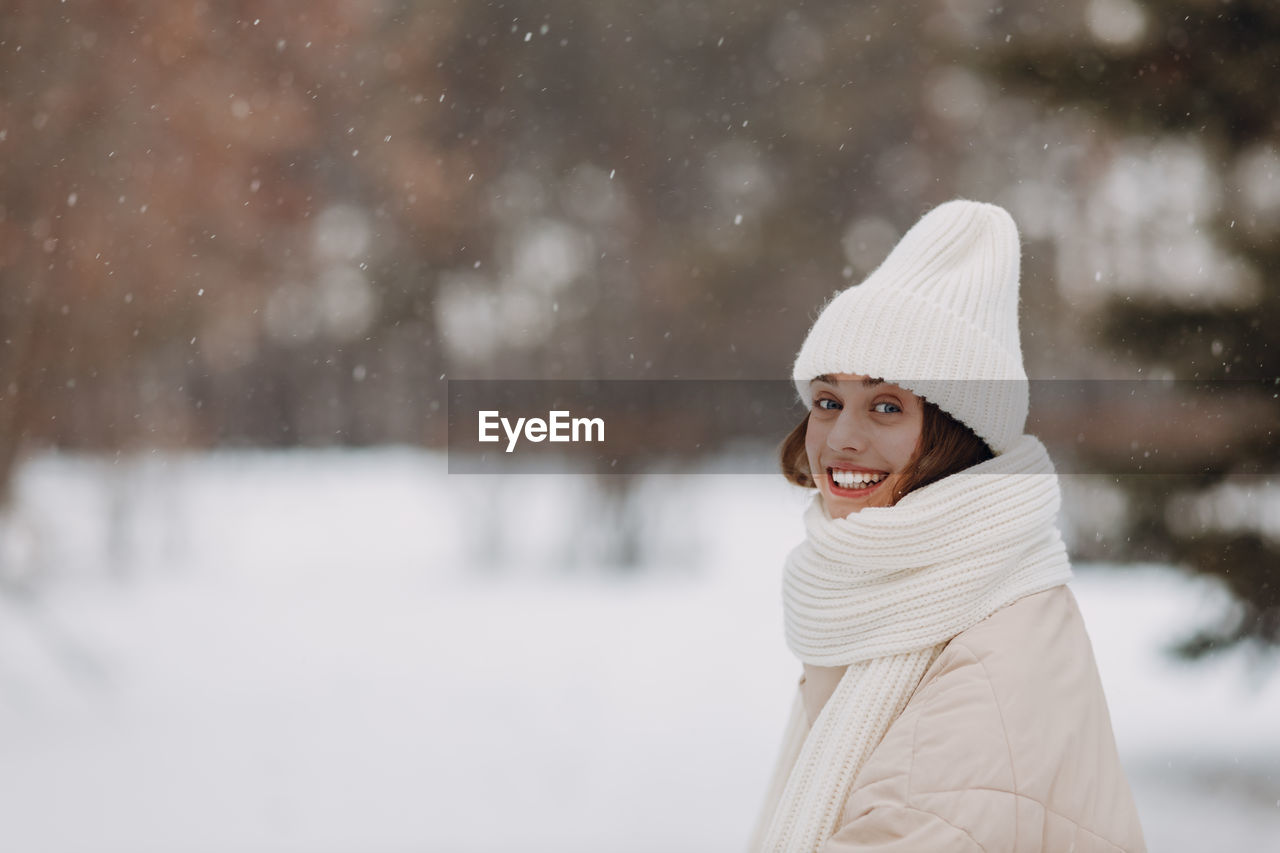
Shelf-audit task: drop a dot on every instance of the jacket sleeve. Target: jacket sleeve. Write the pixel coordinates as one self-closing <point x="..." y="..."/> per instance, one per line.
<point x="900" y="829"/>
<point x="939" y="780"/>
<point x="1006" y="745"/>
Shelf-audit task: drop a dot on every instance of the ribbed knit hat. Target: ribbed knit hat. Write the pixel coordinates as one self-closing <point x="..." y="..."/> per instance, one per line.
<point x="940" y="318"/>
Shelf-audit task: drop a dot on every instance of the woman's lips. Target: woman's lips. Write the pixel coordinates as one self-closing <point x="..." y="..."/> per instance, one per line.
<point x="840" y="491"/>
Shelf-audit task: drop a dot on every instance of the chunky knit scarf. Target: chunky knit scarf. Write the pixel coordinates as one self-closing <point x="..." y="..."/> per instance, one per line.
<point x="882" y="592"/>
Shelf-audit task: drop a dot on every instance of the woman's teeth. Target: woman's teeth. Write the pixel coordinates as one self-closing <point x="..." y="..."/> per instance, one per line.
<point x="855" y="479"/>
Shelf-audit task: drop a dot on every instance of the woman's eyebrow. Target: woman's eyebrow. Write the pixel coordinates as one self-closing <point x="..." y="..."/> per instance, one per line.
<point x="867" y="381"/>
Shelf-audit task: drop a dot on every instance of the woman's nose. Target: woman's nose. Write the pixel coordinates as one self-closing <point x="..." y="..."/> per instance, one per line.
<point x="847" y="433"/>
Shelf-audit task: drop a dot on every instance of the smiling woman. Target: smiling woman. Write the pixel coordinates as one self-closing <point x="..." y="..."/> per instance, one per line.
<point x="920" y="443"/>
<point x="863" y="435"/>
<point x="950" y="699"/>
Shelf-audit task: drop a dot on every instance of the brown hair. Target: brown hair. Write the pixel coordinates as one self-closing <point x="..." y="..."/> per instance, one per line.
<point x="946" y="446"/>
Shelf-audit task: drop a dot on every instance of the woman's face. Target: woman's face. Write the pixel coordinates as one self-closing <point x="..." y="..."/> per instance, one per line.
<point x="862" y="432"/>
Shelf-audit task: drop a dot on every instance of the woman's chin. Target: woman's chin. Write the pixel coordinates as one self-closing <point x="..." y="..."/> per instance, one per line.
<point x="838" y="507"/>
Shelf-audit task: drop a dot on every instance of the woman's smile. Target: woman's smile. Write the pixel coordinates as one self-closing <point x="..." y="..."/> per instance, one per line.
<point x="854" y="482"/>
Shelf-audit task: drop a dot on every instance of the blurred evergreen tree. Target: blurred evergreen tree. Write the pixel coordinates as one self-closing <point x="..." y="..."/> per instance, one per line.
<point x="1208" y="70"/>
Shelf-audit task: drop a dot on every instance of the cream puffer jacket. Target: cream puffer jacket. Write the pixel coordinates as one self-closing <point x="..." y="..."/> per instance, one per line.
<point x="1005" y="747"/>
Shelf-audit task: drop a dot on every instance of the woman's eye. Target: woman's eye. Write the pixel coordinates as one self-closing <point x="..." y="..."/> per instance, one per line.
<point x="886" y="408"/>
<point x="825" y="403"/>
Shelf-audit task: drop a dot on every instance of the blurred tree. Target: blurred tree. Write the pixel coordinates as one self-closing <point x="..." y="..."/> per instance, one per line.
<point x="1204" y="71"/>
<point x="222" y="223"/>
<point x="215" y="226"/>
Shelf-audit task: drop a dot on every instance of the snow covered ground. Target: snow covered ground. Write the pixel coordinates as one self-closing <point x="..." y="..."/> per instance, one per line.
<point x="334" y="651"/>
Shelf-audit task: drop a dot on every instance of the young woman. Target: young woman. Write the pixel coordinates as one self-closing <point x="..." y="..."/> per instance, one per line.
<point x="950" y="700"/>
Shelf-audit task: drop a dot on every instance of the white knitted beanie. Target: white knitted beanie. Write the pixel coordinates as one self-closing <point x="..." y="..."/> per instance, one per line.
<point x="940" y="318"/>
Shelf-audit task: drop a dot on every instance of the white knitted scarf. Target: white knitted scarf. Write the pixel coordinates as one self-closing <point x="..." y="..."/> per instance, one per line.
<point x="882" y="592"/>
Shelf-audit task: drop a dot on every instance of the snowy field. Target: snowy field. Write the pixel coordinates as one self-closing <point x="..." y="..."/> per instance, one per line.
<point x="354" y="652"/>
